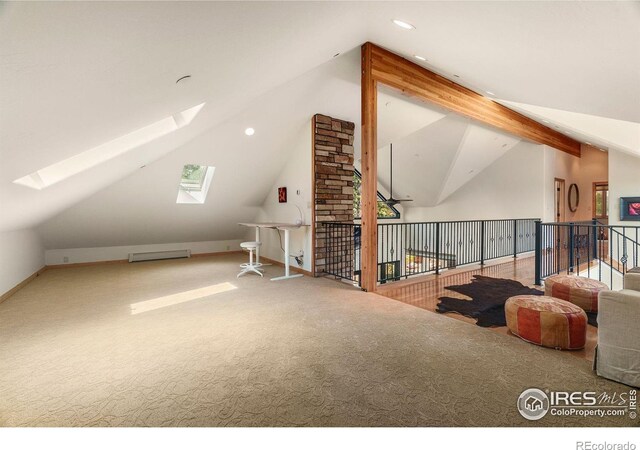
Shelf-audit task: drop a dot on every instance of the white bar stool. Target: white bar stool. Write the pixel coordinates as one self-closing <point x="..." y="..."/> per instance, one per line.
<point x="250" y="266"/>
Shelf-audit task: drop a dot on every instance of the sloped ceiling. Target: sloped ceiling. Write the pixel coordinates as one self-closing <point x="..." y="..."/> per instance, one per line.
<point x="422" y="160"/>
<point x="142" y="209"/>
<point x="77" y="74"/>
<point x="479" y="148"/>
<point x="602" y="132"/>
<point x="437" y="155"/>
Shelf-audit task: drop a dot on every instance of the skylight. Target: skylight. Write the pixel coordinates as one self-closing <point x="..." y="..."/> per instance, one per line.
<point x="64" y="169"/>
<point x="194" y="183"/>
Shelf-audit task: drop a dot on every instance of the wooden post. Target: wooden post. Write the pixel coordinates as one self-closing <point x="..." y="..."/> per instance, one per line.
<point x="369" y="187"/>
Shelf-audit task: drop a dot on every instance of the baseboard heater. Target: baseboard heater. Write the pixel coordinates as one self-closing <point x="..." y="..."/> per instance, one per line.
<point x="152" y="256"/>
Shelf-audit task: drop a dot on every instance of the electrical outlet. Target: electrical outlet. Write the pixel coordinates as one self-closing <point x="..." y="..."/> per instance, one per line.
<point x="65" y="259"/>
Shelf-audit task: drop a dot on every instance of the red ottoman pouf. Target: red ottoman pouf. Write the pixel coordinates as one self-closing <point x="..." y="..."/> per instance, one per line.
<point x="577" y="290"/>
<point x="547" y="321"/>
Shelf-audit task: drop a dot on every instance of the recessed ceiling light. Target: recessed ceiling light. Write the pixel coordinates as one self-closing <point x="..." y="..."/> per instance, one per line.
<point x="545" y="120"/>
<point x="403" y="24"/>
<point x="455" y="75"/>
<point x="588" y="143"/>
<point x="490" y="93"/>
<point x="421" y="58"/>
<point x="336" y="55"/>
<point x="249" y="131"/>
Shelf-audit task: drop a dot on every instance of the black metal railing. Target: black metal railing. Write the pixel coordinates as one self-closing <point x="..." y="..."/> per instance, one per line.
<point x="342" y="250"/>
<point x="408" y="249"/>
<point x="592" y="249"/>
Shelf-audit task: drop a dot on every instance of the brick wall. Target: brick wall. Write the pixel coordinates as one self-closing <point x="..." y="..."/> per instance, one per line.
<point x="333" y="180"/>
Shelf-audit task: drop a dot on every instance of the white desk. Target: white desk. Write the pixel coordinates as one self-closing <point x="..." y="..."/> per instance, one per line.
<point x="287" y="227"/>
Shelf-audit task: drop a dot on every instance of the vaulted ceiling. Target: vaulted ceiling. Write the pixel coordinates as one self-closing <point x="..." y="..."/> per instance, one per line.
<point x="75" y="75"/>
<point x="435" y="152"/>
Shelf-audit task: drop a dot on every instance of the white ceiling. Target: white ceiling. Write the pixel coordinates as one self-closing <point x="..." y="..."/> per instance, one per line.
<point x="601" y="132"/>
<point x="435" y="153"/>
<point x="142" y="209"/>
<point x="573" y="56"/>
<point x="75" y="75"/>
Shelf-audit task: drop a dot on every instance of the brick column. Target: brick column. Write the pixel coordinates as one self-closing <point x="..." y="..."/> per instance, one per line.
<point x="333" y="179"/>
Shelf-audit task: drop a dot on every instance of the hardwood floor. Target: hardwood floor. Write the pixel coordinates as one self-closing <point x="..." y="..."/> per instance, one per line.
<point x="424" y="292"/>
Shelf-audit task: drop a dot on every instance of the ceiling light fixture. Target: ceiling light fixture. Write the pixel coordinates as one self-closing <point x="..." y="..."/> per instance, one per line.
<point x="403" y="24"/>
<point x="545" y="120"/>
<point x="588" y="143"/>
<point x="490" y="93"/>
<point x="457" y="76"/>
<point x="249" y="131"/>
<point x="421" y="58"/>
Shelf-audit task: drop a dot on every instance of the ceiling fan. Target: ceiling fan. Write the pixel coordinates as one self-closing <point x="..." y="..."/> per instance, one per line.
<point x="392" y="201"/>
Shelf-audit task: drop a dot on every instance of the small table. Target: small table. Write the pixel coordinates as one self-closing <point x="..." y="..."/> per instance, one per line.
<point x="287" y="227"/>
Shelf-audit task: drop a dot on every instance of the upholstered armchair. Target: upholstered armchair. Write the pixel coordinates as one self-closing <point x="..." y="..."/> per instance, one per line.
<point x="632" y="279"/>
<point x="618" y="351"/>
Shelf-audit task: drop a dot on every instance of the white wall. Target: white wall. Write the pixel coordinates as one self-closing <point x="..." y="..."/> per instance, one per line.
<point x="591" y="167"/>
<point x="296" y="177"/>
<point x="512" y="187"/>
<point x="624" y="181"/>
<point x="21" y="255"/>
<point x="95" y="254"/>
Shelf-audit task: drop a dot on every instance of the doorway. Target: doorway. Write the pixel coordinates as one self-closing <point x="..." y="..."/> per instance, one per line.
<point x="559" y="200"/>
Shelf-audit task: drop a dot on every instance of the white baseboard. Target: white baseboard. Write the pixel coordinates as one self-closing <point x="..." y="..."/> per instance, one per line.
<point x="56" y="257"/>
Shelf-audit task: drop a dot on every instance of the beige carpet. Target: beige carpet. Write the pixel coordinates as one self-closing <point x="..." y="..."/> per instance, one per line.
<point x="304" y="352"/>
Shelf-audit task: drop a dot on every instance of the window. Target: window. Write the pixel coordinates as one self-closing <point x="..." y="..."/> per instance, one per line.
<point x="194" y="183"/>
<point x="384" y="211"/>
<point x="601" y="200"/>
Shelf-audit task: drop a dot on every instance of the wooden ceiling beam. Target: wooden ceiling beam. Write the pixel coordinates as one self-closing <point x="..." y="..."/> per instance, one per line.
<point x="416" y="81"/>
